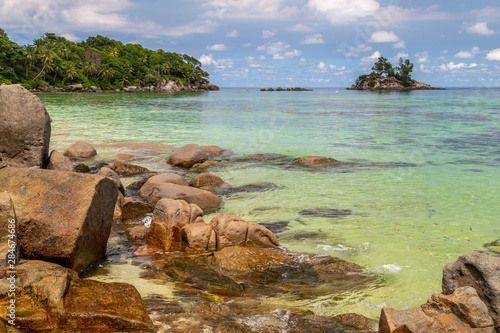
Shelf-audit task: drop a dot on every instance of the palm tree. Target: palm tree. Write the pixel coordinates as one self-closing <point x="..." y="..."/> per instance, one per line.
<point x="89" y="69"/>
<point x="46" y="56"/>
<point x="106" y="73"/>
<point x="114" y="52"/>
<point x="30" y="55"/>
<point x="70" y="71"/>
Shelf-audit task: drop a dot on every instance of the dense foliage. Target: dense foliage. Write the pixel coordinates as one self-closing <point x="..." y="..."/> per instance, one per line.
<point x="383" y="68"/>
<point x="98" y="61"/>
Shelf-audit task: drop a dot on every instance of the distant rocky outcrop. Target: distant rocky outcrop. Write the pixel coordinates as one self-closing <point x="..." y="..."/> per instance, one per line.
<point x="286" y="89"/>
<point x="390" y="83"/>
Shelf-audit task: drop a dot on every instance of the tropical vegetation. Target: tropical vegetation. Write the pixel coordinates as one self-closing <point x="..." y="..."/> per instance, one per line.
<point x="98" y="61"/>
<point x="383" y="68"/>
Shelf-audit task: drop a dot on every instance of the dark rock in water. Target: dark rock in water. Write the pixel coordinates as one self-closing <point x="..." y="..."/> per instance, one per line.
<point x="24" y="127"/>
<point x="493" y="246"/>
<point x="132" y="209"/>
<point x="315" y="161"/>
<point x="480" y="271"/>
<point x="136" y="234"/>
<point x="265" y="157"/>
<point x="254" y="187"/>
<point x="127" y="169"/>
<point x="276" y="227"/>
<point x="82" y="168"/>
<point x="325" y="212"/>
<point x="357" y="321"/>
<point x="306" y="235"/>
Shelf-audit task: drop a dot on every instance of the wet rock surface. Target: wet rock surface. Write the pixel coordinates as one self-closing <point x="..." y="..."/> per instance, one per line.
<point x="80" y="150"/>
<point x="187" y="156"/>
<point x="325" y="212"/>
<point x="127" y="169"/>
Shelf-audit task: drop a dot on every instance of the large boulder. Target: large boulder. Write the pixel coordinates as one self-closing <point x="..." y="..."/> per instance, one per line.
<point x="80" y="150"/>
<point x="480" y="271"/>
<point x="58" y="161"/>
<point x="63" y="217"/>
<point x="169" y="217"/>
<point x="107" y="172"/>
<point x="9" y="245"/>
<point x="315" y="161"/>
<point x="50" y="297"/>
<point x="162" y="178"/>
<point x="462" y="311"/>
<point x="202" y="198"/>
<point x="232" y="230"/>
<point x="187" y="156"/>
<point x="24" y="128"/>
<point x="206" y="181"/>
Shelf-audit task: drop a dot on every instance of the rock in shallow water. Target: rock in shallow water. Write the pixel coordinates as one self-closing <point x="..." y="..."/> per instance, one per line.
<point x="315" y="161"/>
<point x="58" y="161"/>
<point x="202" y="198"/>
<point x="325" y="212"/>
<point x="187" y="156"/>
<point x="153" y="181"/>
<point x="80" y="150"/>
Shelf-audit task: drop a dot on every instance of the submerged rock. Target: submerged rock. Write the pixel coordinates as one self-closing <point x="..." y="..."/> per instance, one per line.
<point x="63" y="217"/>
<point x="58" y="161"/>
<point x="127" y="169"/>
<point x="206" y="164"/>
<point x="326" y="212"/>
<point x="254" y="187"/>
<point x="315" y="161"/>
<point x="136" y="234"/>
<point x="493" y="246"/>
<point x="187" y="156"/>
<point x="206" y="181"/>
<point x="80" y="150"/>
<point x="462" y="311"/>
<point x="479" y="271"/>
<point x="25" y="128"/>
<point x="265" y="157"/>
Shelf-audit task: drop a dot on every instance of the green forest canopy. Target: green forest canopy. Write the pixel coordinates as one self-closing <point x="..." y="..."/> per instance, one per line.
<point x="383" y="68"/>
<point x="99" y="61"/>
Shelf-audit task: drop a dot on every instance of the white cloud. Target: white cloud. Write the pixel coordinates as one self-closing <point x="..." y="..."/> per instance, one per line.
<point x="480" y="28"/>
<point x="71" y="37"/>
<point x="232" y="34"/>
<point x="384" y="37"/>
<point x="300" y="28"/>
<point x="250" y="9"/>
<point x="273" y="48"/>
<point x="287" y="55"/>
<point x="321" y="66"/>
<point x="493" y="55"/>
<point x="344" y="11"/>
<point x="217" y="47"/>
<point x="353" y="51"/>
<point x="216" y="65"/>
<point x="468" y="54"/>
<point x="422" y="57"/>
<point x="207" y="60"/>
<point x="371" y="58"/>
<point x="400" y="45"/>
<point x="452" y="66"/>
<point x="268" y="33"/>
<point x="313" y="39"/>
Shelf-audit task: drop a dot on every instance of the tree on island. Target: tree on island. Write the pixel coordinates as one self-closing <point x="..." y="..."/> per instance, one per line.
<point x="382" y="68"/>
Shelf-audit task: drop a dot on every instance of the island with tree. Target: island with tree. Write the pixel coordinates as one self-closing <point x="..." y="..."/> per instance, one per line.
<point x="53" y="63"/>
<point x="386" y="77"/>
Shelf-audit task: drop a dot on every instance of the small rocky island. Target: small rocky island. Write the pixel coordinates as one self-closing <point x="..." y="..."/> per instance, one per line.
<point x="286" y="89"/>
<point x="386" y="77"/>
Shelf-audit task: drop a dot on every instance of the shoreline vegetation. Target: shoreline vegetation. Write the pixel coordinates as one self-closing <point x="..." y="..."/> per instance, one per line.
<point x="385" y="76"/>
<point x="54" y="64"/>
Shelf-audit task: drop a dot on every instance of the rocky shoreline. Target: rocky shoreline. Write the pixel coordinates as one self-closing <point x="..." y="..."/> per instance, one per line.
<point x="391" y="84"/>
<point x="66" y="221"/>
<point x="165" y="86"/>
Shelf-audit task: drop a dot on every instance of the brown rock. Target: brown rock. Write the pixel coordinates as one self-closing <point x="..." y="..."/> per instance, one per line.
<point x="264" y="157"/>
<point x="187" y="156"/>
<point x="122" y="157"/>
<point x="134" y="208"/>
<point x="206" y="181"/>
<point x="148" y="187"/>
<point x="357" y="321"/>
<point x="463" y="311"/>
<point x="232" y="230"/>
<point x="197" y="236"/>
<point x="206" y="164"/>
<point x="9" y="245"/>
<point x="127" y="169"/>
<point x="213" y="150"/>
<point x="117" y="214"/>
<point x="315" y="161"/>
<point x="63" y="216"/>
<point x="107" y="172"/>
<point x="80" y="150"/>
<point x="58" y="161"/>
<point x="24" y="127"/>
<point x="82" y="168"/>
<point x="136" y="234"/>
<point x="202" y="198"/>
<point x="169" y="217"/>
<point x="480" y="271"/>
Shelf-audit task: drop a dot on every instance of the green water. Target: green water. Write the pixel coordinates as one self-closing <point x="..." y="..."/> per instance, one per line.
<point x="423" y="187"/>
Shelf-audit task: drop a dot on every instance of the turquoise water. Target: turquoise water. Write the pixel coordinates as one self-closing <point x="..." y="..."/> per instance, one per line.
<point x="423" y="186"/>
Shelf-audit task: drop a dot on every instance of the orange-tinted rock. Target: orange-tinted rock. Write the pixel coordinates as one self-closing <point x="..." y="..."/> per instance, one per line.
<point x="58" y="161"/>
<point x="122" y="157"/>
<point x="206" y="181"/>
<point x="202" y="198"/>
<point x="80" y="150"/>
<point x="63" y="217"/>
<point x="315" y="161"/>
<point x="135" y="208"/>
<point x="153" y="181"/>
<point x="213" y="150"/>
<point x="206" y="164"/>
<point x="24" y="128"/>
<point x="137" y="234"/>
<point x="198" y="237"/>
<point x="187" y="156"/>
<point x="127" y="169"/>
<point x="107" y="172"/>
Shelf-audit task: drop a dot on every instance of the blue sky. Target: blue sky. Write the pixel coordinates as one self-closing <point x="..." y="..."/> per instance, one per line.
<point x="269" y="43"/>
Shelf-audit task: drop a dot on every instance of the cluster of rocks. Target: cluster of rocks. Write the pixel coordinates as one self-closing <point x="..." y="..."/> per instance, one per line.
<point x="162" y="86"/>
<point x="391" y="83"/>
<point x="285" y="89"/>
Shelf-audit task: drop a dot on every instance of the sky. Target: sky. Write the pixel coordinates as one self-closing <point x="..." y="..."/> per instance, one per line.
<point x="271" y="43"/>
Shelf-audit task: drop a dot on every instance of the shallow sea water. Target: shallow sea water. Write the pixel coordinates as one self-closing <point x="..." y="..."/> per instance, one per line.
<point x="423" y="182"/>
